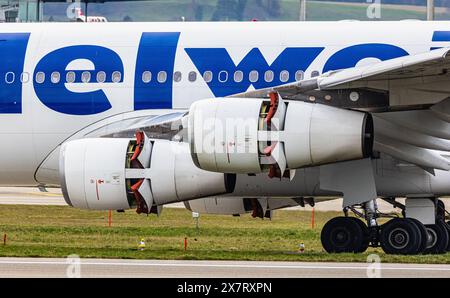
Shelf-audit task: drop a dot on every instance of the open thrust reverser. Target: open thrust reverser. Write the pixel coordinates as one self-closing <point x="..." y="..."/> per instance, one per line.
<point x="118" y="174"/>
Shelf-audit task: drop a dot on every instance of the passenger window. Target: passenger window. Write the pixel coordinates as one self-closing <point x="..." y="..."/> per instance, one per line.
<point x="116" y="77"/>
<point x="223" y="76"/>
<point x="86" y="77"/>
<point x="146" y="77"/>
<point x="40" y="77"/>
<point x="70" y="77"/>
<point x="10" y="77"/>
<point x="284" y="76"/>
<point x="55" y="77"/>
<point x="299" y="75"/>
<point x="162" y="77"/>
<point x="177" y="76"/>
<point x="238" y="76"/>
<point x="268" y="76"/>
<point x="253" y="76"/>
<point x="101" y="77"/>
<point x="207" y="76"/>
<point x="192" y="76"/>
<point x="24" y="77"/>
<point x="315" y="73"/>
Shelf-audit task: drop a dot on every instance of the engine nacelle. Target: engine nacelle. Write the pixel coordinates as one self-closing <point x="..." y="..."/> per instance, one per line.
<point x="261" y="207"/>
<point x="251" y="135"/>
<point x="118" y="174"/>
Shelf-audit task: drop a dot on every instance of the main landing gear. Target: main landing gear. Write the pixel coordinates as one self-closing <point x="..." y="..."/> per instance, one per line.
<point x="422" y="229"/>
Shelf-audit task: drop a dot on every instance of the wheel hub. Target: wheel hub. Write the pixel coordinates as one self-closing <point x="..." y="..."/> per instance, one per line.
<point x="398" y="238"/>
<point x="432" y="238"/>
<point x="341" y="237"/>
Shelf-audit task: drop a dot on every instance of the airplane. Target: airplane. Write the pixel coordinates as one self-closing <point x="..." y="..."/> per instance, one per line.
<point x="235" y="117"/>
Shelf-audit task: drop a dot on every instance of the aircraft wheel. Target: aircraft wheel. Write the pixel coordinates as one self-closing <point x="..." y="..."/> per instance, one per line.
<point x="400" y="236"/>
<point x="342" y="234"/>
<point x="440" y="211"/>
<point x="448" y="230"/>
<point x="365" y="240"/>
<point x="423" y="235"/>
<point x="438" y="238"/>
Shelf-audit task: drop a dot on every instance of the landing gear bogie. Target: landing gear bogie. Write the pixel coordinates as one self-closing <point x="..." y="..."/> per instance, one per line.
<point x="404" y="236"/>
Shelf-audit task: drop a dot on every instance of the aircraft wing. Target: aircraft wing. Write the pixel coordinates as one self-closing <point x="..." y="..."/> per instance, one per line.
<point x="416" y="69"/>
<point x="419" y="136"/>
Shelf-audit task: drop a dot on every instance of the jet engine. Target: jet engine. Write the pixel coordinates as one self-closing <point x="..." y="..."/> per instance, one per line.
<point x="118" y="174"/>
<point x="251" y="135"/>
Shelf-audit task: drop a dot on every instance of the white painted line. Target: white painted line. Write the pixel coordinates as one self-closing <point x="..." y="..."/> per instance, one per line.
<point x="362" y="267"/>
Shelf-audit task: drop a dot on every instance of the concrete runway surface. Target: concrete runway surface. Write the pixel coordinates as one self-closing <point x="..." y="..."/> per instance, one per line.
<point x="32" y="196"/>
<point x="36" y="267"/>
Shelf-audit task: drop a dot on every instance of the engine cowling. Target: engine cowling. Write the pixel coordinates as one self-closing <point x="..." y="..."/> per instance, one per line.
<point x="118" y="174"/>
<point x="261" y="207"/>
<point x="251" y="135"/>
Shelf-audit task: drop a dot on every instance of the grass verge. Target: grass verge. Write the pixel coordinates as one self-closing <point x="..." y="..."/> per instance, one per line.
<point x="50" y="231"/>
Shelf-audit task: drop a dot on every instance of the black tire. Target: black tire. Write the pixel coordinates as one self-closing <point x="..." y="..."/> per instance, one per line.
<point x="439" y="238"/>
<point x="365" y="240"/>
<point x="423" y="235"/>
<point x="447" y="225"/>
<point x="342" y="234"/>
<point x="440" y="211"/>
<point x="400" y="236"/>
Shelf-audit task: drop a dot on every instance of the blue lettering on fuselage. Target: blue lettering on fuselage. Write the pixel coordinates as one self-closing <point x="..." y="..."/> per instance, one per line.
<point x="13" y="47"/>
<point x="57" y="97"/>
<point x="350" y="56"/>
<point x="222" y="67"/>
<point x="440" y="36"/>
<point x="156" y="54"/>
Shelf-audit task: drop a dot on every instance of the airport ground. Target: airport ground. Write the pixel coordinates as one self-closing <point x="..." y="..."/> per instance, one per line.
<point x="53" y="197"/>
<point x="59" y="231"/>
<point x="42" y="231"/>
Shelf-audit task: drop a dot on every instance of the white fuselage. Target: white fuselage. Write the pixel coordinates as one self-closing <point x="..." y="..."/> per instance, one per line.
<point x="58" y="79"/>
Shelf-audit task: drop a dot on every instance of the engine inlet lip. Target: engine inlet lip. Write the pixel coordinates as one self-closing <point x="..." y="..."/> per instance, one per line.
<point x="62" y="175"/>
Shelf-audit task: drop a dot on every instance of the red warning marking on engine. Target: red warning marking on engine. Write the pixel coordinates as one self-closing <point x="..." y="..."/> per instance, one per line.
<point x="139" y="145"/>
<point x="273" y="107"/>
<point x="268" y="150"/>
